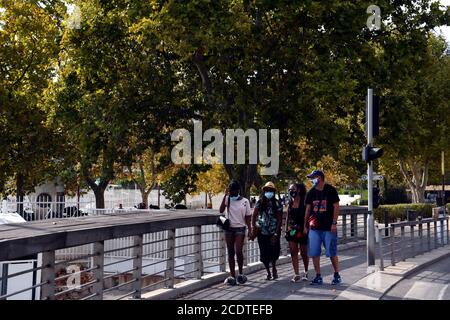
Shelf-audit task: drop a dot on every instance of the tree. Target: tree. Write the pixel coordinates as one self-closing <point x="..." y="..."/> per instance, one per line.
<point x="112" y="90"/>
<point x="415" y="131"/>
<point x="29" y="35"/>
<point x="212" y="182"/>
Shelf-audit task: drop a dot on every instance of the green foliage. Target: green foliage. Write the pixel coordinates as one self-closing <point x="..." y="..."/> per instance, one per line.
<point x="398" y="211"/>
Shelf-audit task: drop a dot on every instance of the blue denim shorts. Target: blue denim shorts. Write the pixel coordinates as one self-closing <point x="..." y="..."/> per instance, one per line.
<point x="318" y="237"/>
<point x="236" y="231"/>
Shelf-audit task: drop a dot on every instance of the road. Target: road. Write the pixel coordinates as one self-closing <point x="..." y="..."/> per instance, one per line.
<point x="430" y="283"/>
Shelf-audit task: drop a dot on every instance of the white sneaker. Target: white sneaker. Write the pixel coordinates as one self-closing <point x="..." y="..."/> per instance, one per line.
<point x="304" y="276"/>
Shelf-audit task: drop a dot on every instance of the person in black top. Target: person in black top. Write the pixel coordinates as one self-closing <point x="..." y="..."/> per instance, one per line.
<point x="298" y="240"/>
<point x="322" y="212"/>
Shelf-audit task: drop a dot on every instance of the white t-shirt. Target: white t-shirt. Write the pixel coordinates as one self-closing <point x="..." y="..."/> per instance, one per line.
<point x="239" y="209"/>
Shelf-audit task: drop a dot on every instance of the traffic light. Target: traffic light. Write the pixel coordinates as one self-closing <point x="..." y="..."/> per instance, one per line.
<point x="370" y="153"/>
<point x="376" y="197"/>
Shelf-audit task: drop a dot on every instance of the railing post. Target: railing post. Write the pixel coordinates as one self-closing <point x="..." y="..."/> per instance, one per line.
<point x="386" y="222"/>
<point x="353" y="225"/>
<point x="344" y="227"/>
<point x="222" y="252"/>
<point x="446" y="219"/>
<point x="198" y="265"/>
<point x="402" y="243"/>
<point x="245" y="251"/>
<point x="411" y="228"/>
<point x="170" y="270"/>
<point x="98" y="261"/>
<point x="48" y="275"/>
<point x="420" y="236"/>
<point x="442" y="231"/>
<point x="392" y="230"/>
<point x="380" y="248"/>
<point x="365" y="225"/>
<point x="137" y="265"/>
<point x="435" y="234"/>
<point x="428" y="236"/>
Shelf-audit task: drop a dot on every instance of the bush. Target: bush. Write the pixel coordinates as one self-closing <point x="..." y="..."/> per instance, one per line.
<point x="394" y="196"/>
<point x="398" y="211"/>
<point x="363" y="202"/>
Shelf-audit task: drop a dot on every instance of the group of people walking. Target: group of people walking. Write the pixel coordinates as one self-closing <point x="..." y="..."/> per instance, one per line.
<point x="311" y="222"/>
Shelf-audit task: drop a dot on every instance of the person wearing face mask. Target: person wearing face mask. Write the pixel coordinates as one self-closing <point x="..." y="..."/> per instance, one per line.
<point x="295" y="221"/>
<point x="267" y="217"/>
<point x="322" y="212"/>
<point x="239" y="213"/>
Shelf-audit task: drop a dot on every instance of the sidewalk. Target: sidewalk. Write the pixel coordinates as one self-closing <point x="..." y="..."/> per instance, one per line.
<point x="353" y="268"/>
<point x="374" y="286"/>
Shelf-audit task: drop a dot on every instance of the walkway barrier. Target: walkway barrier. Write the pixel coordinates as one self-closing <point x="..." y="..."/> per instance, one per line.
<point x="407" y="239"/>
<point x="122" y="256"/>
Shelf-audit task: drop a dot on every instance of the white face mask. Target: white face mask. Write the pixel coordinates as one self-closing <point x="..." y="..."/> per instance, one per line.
<point x="315" y="182"/>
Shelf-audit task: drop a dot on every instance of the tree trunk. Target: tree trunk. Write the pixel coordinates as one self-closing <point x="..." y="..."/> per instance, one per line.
<point x="144" y="195"/>
<point x="20" y="193"/>
<point x="418" y="182"/>
<point x="99" y="191"/>
<point x="99" y="198"/>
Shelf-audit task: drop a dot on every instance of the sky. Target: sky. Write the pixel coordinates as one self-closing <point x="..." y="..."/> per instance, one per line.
<point x="444" y="30"/>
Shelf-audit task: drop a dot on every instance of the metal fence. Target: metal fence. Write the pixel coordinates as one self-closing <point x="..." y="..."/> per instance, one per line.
<point x="402" y="240"/>
<point x="125" y="267"/>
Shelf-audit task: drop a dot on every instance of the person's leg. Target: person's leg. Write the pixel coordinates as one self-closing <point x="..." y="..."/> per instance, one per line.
<point x="331" y="252"/>
<point x="304" y="254"/>
<point x="239" y="245"/>
<point x="262" y="242"/>
<point x="314" y="248"/>
<point x="293" y="248"/>
<point x="229" y="238"/>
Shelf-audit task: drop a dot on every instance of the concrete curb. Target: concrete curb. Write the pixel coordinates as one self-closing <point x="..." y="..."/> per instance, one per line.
<point x="206" y="281"/>
<point x="375" y="285"/>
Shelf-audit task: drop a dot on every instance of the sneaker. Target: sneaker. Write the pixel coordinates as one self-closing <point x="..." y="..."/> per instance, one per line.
<point x="305" y="276"/>
<point x="317" y="281"/>
<point x="296" y="278"/>
<point x="241" y="279"/>
<point x="230" y="281"/>
<point x="336" y="280"/>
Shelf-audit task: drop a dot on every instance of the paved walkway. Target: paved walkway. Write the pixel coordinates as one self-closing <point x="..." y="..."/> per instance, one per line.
<point x="353" y="268"/>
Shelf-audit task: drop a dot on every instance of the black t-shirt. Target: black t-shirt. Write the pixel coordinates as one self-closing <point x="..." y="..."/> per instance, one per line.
<point x="321" y="202"/>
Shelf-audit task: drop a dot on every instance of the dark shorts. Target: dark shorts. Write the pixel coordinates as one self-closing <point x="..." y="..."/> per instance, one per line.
<point x="236" y="231"/>
<point x="303" y="240"/>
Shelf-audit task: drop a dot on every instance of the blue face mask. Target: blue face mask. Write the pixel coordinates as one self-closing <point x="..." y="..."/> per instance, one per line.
<point x="315" y="182"/>
<point x="234" y="198"/>
<point x="269" y="195"/>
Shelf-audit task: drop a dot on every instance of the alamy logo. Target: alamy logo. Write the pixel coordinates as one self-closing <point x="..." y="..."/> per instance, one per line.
<point x="213" y="153"/>
<point x="74" y="278"/>
<point x="74" y="20"/>
<point x="374" y="20"/>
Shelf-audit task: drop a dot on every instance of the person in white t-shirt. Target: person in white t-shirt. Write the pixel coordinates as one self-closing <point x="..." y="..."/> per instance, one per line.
<point x="239" y="213"/>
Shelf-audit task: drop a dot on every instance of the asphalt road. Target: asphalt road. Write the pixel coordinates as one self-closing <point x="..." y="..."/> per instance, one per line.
<point x="431" y="283"/>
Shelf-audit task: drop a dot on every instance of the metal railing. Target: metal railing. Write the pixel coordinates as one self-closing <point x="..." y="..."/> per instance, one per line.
<point x="103" y="264"/>
<point x="402" y="240"/>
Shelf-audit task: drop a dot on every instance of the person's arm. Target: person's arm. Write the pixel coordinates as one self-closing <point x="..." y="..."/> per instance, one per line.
<point x="306" y="226"/>
<point x="254" y="216"/>
<point x="335" y="216"/>
<point x="223" y="205"/>
<point x="279" y="217"/>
